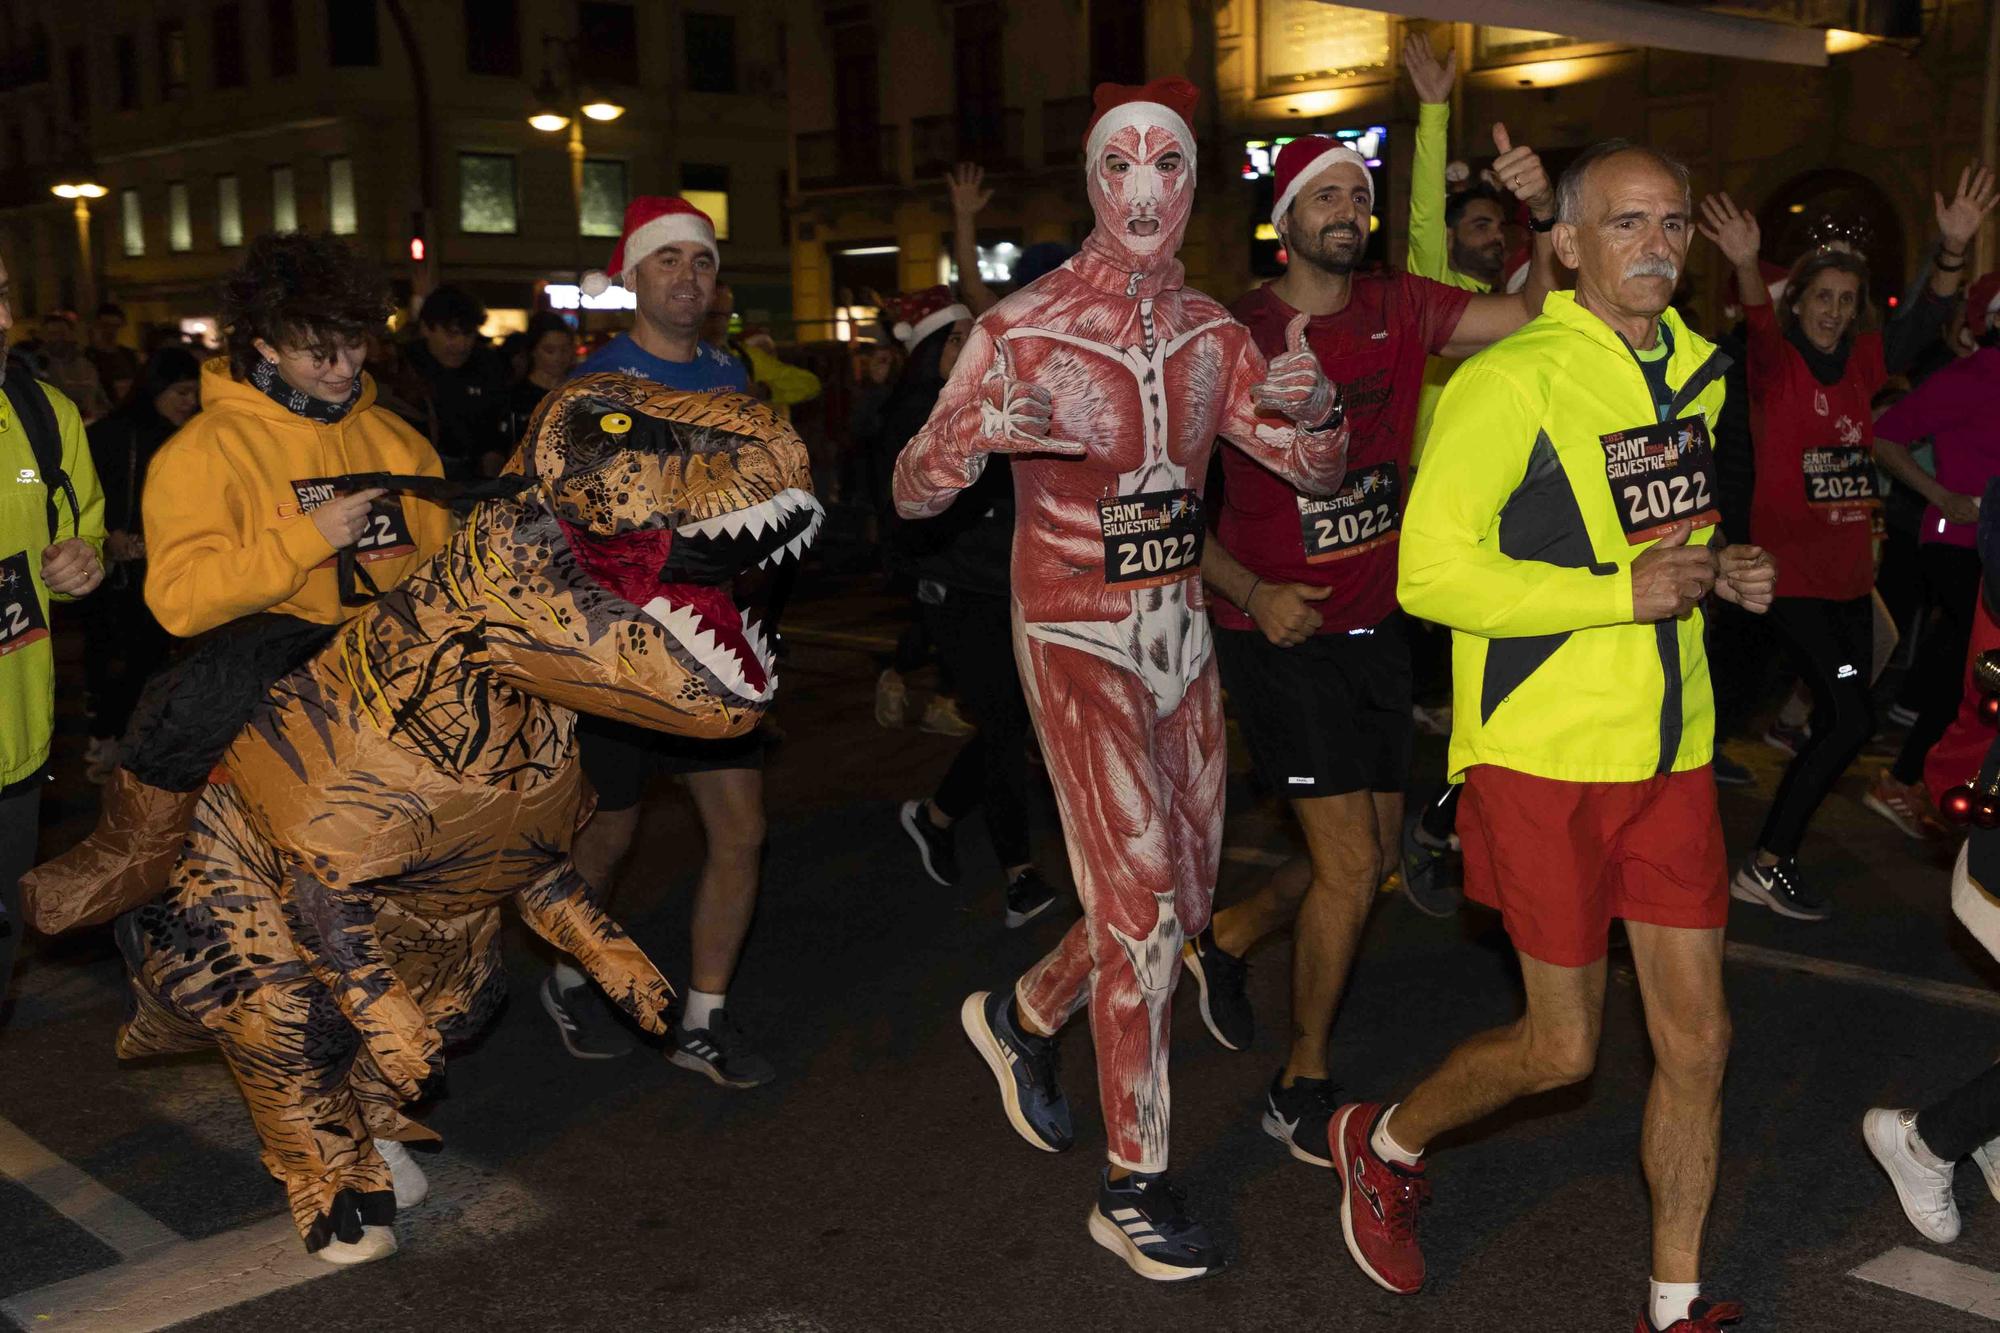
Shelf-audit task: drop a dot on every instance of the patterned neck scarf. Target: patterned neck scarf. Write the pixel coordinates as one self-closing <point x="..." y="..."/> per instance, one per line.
<point x="265" y="376"/>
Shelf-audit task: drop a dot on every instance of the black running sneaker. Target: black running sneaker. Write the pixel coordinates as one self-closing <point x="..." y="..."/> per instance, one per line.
<point x="1028" y="896"/>
<point x="1027" y="1068"/>
<point x="721" y="1052"/>
<point x="1220" y="977"/>
<point x="1432" y="873"/>
<point x="589" y="1029"/>
<point x="1143" y="1220"/>
<point x="1298" y="1116"/>
<point x="1779" y="888"/>
<point x="937" y="846"/>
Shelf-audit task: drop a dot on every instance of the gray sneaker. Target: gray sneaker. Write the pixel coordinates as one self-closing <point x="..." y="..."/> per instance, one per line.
<point x="722" y="1052"/>
<point x="584" y="1020"/>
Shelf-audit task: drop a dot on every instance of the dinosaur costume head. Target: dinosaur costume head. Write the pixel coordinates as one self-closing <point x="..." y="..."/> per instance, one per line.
<point x="608" y="584"/>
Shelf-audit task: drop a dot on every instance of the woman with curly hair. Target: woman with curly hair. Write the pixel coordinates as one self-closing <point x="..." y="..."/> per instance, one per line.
<point x="246" y="512"/>
<point x="239" y="511"/>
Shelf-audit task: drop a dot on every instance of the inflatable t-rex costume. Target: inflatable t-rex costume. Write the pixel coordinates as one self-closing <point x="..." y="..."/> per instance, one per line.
<point x="1110" y="380"/>
<point x="332" y="922"/>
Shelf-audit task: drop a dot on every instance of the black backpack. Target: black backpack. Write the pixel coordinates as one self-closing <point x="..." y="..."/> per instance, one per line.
<point x="32" y="409"/>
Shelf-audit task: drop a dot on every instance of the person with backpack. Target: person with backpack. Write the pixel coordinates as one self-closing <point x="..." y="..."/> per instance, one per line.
<point x="51" y="549"/>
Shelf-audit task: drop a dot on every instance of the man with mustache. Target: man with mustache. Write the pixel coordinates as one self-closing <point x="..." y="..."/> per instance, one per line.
<point x="1314" y="652"/>
<point x="1107" y="381"/>
<point x="1562" y="527"/>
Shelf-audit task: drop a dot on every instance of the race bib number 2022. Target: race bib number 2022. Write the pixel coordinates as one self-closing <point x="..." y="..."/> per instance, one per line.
<point x="387" y="534"/>
<point x="1366" y="512"/>
<point x="21" y="620"/>
<point x="1661" y="475"/>
<point x="1151" y="539"/>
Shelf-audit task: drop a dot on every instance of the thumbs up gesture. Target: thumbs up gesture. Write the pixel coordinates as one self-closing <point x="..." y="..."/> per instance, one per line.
<point x="1521" y="171"/>
<point x="1015" y="414"/>
<point x="1294" y="385"/>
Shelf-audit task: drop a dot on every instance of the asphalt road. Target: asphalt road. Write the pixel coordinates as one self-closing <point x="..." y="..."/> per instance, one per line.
<point x="875" y="1185"/>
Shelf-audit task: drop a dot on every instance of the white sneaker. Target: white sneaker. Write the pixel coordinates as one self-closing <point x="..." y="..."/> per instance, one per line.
<point x="1987" y="1158"/>
<point x="410" y="1183"/>
<point x="942" y="718"/>
<point x="1925" y="1190"/>
<point x="892" y="699"/>
<point x="375" y="1243"/>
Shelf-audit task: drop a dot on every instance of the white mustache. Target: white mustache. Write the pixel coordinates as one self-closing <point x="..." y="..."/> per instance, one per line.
<point x="1652" y="267"/>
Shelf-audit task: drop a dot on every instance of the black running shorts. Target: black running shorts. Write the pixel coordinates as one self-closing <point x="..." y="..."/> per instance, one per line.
<point x="619" y="758"/>
<point x="1328" y="717"/>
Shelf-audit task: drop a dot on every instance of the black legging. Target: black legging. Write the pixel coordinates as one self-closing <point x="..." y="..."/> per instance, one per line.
<point x="1951" y="577"/>
<point x="975" y="640"/>
<point x="1832" y="646"/>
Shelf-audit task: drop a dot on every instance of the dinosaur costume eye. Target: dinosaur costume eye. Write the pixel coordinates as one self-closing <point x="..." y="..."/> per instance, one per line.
<point x="615" y="423"/>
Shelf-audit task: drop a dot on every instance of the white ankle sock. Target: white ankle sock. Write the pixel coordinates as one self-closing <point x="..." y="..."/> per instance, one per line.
<point x="1670" y="1301"/>
<point x="1386" y="1147"/>
<point x="701" y="1007"/>
<point x="567" y="977"/>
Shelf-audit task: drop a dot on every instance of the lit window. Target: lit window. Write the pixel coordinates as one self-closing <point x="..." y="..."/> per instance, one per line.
<point x="284" y="201"/>
<point x="228" y="212"/>
<point x="180" y="228"/>
<point x="486" y="204"/>
<point x="132" y="217"/>
<point x="340" y="196"/>
<point x="603" y="198"/>
<point x="715" y="203"/>
<point x="1305" y="41"/>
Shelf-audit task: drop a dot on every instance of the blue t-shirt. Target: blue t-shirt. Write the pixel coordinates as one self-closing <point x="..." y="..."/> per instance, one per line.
<point x="710" y="369"/>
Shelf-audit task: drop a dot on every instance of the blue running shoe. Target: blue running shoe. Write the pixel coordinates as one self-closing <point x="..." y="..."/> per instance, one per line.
<point x="1026" y="1067"/>
<point x="1143" y="1220"/>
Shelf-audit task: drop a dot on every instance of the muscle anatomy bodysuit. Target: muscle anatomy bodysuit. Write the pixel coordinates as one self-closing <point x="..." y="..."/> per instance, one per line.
<point x="1108" y="381"/>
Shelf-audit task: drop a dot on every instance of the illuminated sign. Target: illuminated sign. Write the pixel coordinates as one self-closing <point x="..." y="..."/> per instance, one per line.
<point x="1260" y="156"/>
<point x="567" y="296"/>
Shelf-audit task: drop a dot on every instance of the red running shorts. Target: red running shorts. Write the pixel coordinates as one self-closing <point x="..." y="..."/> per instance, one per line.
<point x="1558" y="860"/>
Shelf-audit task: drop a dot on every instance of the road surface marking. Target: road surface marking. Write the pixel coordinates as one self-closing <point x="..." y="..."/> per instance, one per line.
<point x="1943" y="992"/>
<point x="126" y="1228"/>
<point x="1935" y="1278"/>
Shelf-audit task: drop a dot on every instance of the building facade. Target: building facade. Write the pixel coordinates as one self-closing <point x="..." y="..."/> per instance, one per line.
<point x="210" y="121"/>
<point x="884" y="96"/>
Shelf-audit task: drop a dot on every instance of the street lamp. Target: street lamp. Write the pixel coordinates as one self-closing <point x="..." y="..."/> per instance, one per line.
<point x="565" y="106"/>
<point x="79" y="182"/>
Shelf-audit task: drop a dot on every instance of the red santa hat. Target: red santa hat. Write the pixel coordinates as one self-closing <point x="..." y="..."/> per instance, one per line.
<point x="651" y="221"/>
<point x="1303" y="161"/>
<point x="920" y="314"/>
<point x="1116" y="106"/>
<point x="1982" y="304"/>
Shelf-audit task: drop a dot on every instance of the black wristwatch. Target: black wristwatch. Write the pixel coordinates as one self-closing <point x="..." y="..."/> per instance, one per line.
<point x="1543" y="225"/>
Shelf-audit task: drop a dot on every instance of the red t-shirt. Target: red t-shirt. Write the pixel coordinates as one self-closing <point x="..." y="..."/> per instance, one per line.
<point x="1815" y="449"/>
<point x="1375" y="351"/>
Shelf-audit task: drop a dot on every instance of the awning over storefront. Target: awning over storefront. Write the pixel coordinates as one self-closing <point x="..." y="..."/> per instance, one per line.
<point x="1628" y="22"/>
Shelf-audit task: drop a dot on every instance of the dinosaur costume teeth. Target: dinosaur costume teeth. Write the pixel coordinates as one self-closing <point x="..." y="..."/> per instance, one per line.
<point x="332" y="923"/>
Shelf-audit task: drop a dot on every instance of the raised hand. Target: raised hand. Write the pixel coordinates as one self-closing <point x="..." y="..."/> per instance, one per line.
<point x="965" y="183"/>
<point x="1014" y="415"/>
<point x="1520" y="170"/>
<point x="1294" y="386"/>
<point x="1733" y="231"/>
<point x="1431" y="77"/>
<point x="1958" y="221"/>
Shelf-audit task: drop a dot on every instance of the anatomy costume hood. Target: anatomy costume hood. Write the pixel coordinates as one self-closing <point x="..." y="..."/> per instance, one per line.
<point x="1139" y="159"/>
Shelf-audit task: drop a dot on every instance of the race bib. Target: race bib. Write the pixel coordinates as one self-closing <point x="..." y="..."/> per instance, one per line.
<point x="387" y="534"/>
<point x="1365" y="513"/>
<point x="21" y="620"/>
<point x="1840" y="484"/>
<point x="1151" y="539"/>
<point x="1661" y="475"/>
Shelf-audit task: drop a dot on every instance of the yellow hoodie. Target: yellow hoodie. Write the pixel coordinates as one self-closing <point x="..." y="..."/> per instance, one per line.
<point x="229" y="499"/>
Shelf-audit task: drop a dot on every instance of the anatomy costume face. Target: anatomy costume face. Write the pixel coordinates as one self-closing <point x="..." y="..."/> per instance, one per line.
<point x="1107" y="382"/>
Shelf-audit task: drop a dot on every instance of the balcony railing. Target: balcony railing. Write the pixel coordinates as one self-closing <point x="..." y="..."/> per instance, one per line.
<point x="939" y="142"/>
<point x="833" y="158"/>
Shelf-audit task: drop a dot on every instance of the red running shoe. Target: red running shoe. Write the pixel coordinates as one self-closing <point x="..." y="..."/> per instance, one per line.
<point x="1378" y="1201"/>
<point x="1703" y="1317"/>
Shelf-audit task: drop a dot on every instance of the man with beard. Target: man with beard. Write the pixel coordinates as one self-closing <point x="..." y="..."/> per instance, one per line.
<point x="1107" y="381"/>
<point x="1314" y="654"/>
<point x="1563" y="529"/>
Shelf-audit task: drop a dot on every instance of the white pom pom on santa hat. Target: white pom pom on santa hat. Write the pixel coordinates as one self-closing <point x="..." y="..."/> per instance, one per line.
<point x="919" y="314"/>
<point x="651" y="221"/>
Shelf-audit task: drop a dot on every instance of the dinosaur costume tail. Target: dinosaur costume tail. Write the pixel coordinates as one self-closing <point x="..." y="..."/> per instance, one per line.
<point x="123" y="863"/>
